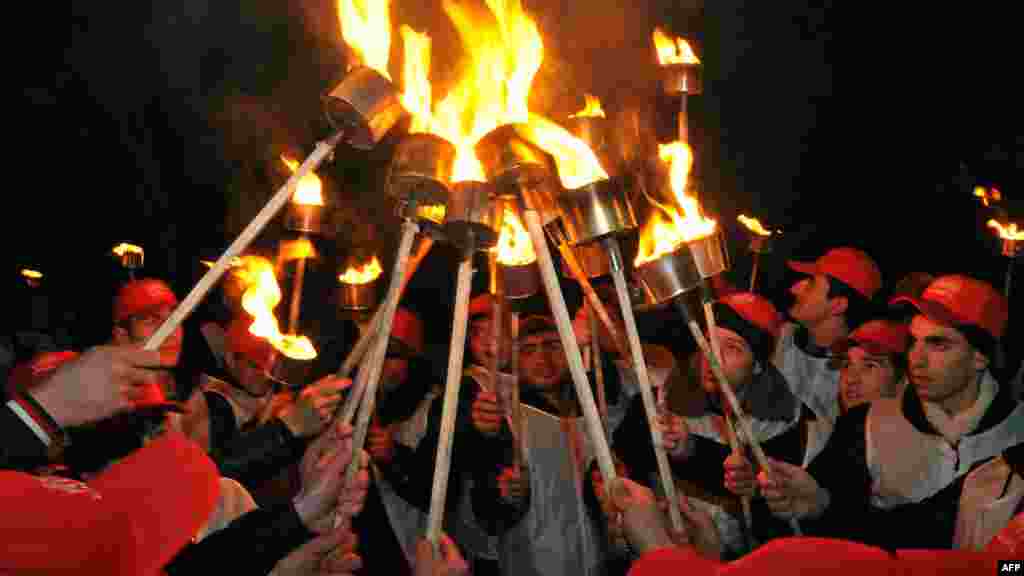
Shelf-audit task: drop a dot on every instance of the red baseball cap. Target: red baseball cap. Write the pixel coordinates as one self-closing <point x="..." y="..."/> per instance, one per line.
<point x="755" y="309"/>
<point x="482" y="305"/>
<point x="142" y="295"/>
<point x="957" y="300"/>
<point x="881" y="337"/>
<point x="848" y="265"/>
<point x="408" y="328"/>
<point x="131" y="519"/>
<point x="240" y="340"/>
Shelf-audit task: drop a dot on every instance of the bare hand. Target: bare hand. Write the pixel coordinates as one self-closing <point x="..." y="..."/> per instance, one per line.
<point x="791" y="492"/>
<point x="644" y="524"/>
<point x="616" y="531"/>
<point x="514" y="485"/>
<point x="331" y="554"/>
<point x="739" y="475"/>
<point x="323" y="477"/>
<point x="699" y="530"/>
<point x="450" y="562"/>
<point x="380" y="443"/>
<point x="486" y="416"/>
<point x="102" y="382"/>
<point x="315" y="406"/>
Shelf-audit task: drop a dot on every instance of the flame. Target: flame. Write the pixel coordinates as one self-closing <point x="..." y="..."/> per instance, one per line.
<point x="124" y="248"/>
<point x="363" y="274"/>
<point x="674" y="225"/>
<point x="308" y="191"/>
<point x="435" y="213"/>
<point x="1007" y="232"/>
<point x="754" y="225"/>
<point x="577" y="163"/>
<point x="514" y="245"/>
<point x="673" y="50"/>
<point x="592" y="109"/>
<point x="988" y="195"/>
<point x="31" y="274"/>
<point x="366" y="28"/>
<point x="503" y="57"/>
<point x="235" y="263"/>
<point x="261" y="295"/>
<point x="298" y="249"/>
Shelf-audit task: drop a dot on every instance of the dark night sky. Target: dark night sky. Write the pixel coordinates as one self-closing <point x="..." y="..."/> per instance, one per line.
<point x="152" y="123"/>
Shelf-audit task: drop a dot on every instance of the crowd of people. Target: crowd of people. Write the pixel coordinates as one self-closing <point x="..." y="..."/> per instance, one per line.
<point x="892" y="431"/>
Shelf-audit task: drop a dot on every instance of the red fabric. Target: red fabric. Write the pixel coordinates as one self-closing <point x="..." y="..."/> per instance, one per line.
<point x="408" y="328"/>
<point x="948" y="562"/>
<point x="755" y="309"/>
<point x="958" y="300"/>
<point x="28" y="375"/>
<point x="683" y="560"/>
<point x="140" y="295"/>
<point x="848" y="265"/>
<point x="1009" y="542"/>
<point x="130" y="520"/>
<point x="881" y="337"/>
<point x="240" y="340"/>
<point x="482" y="305"/>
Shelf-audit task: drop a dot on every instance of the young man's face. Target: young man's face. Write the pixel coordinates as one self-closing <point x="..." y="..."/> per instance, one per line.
<point x="864" y="377"/>
<point x="942" y="364"/>
<point x="251" y="375"/>
<point x="812" y="303"/>
<point x="542" y="361"/>
<point x="481" y="342"/>
<point x="737" y="362"/>
<point x="138" y="328"/>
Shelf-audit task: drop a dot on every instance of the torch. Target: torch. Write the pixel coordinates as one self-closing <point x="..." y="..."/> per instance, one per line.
<point x="472" y="223"/>
<point x="761" y="241"/>
<point x="130" y="257"/>
<point x="304" y="216"/>
<point x="33" y="278"/>
<point x="680" y="73"/>
<point x="520" y="168"/>
<point x="358" y="285"/>
<point x="1011" y="248"/>
<point x="362" y="108"/>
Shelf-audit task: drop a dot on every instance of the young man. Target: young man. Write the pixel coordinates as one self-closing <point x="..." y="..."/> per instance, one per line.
<point x="874" y="364"/>
<point x="918" y="471"/>
<point x="559" y="534"/>
<point x="829" y="303"/>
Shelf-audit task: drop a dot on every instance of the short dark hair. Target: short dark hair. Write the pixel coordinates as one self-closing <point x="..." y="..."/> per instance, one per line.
<point x="858" y="308"/>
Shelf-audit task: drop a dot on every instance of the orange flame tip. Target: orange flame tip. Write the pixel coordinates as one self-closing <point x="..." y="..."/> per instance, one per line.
<point x="754" y="225"/>
<point x="362" y="274"/>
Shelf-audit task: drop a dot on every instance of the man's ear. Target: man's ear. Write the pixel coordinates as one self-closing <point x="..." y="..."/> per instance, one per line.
<point x="981" y="361"/>
<point x="838" y="305"/>
<point x="120" y="336"/>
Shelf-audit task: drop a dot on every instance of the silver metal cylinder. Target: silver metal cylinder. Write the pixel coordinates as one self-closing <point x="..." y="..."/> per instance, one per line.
<point x="365" y="106"/>
<point x="670" y="275"/>
<point x="761" y="244"/>
<point x="519" y="169"/>
<point x="682" y="79"/>
<point x="710" y="255"/>
<point x="305" y="218"/>
<point x="594" y="211"/>
<point x="472" y="216"/>
<point x="1011" y="248"/>
<point x="357" y="296"/>
<point x="421" y="170"/>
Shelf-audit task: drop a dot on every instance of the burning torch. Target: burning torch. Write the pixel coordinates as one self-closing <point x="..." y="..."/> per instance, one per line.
<point x="1011" y="248"/>
<point x="362" y="108"/>
<point x="680" y="73"/>
<point x="130" y="257"/>
<point x="761" y="241"/>
<point x="33" y="278"/>
<point x="358" y="285"/>
<point x="304" y="216"/>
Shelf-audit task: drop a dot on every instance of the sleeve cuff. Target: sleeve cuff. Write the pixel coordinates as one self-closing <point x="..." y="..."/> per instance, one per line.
<point x="36" y="419"/>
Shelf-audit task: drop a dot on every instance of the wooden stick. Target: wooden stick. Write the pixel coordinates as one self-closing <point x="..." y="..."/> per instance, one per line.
<point x="753" y="271"/>
<point x="516" y="409"/>
<point x="643" y="381"/>
<point x="730" y="396"/>
<point x="592" y="298"/>
<point x="595" y="361"/>
<point x="367" y="336"/>
<point x="497" y="296"/>
<point x="380" y="345"/>
<point x="572" y="348"/>
<point x="265" y="215"/>
<point x="293" y="315"/>
<point x="348" y="410"/>
<point x="456" y="351"/>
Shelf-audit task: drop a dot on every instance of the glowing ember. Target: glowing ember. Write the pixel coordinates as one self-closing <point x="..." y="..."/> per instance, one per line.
<point x="308" y="191"/>
<point x="514" y="245"/>
<point x="504" y="54"/>
<point x="434" y="213"/>
<point x="298" y="249"/>
<point x="363" y="274"/>
<point x="1007" y="232"/>
<point x="673" y="50"/>
<point x="577" y="163"/>
<point x="754" y="225"/>
<point x="665" y="231"/>
<point x="31" y="274"/>
<point x="262" y="294"/>
<point x="592" y="109"/>
<point x="366" y="28"/>
<point x="123" y="248"/>
<point x="988" y="195"/>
